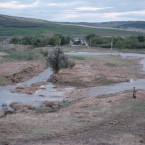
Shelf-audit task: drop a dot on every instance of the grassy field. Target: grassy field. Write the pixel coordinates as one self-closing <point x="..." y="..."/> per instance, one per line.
<point x="15" y="26"/>
<point x="62" y="29"/>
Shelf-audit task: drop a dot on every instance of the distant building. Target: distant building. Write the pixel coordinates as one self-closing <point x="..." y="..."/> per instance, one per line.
<point x="78" y="41"/>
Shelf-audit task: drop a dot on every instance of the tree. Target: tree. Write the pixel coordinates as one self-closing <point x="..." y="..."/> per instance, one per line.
<point x="90" y="36"/>
<point x="57" y="59"/>
<point x="56" y="40"/>
<point x="15" y="40"/>
<point x="65" y="40"/>
<point x="141" y="38"/>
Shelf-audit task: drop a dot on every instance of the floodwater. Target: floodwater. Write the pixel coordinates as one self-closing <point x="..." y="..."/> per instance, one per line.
<point x="101" y="90"/>
<point x="6" y="96"/>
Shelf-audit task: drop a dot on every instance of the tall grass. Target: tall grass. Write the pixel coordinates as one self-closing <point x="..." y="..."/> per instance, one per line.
<point x="14" y="52"/>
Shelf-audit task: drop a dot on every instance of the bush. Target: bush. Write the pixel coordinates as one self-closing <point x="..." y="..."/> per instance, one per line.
<point x="57" y="59"/>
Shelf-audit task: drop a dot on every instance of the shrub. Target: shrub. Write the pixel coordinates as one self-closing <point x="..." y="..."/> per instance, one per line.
<point x="57" y="59"/>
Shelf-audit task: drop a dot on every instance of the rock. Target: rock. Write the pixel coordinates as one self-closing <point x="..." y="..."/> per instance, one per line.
<point x="19" y="107"/>
<point x="53" y="78"/>
<point x="42" y="87"/>
<point x="49" y="106"/>
<point x="42" y="95"/>
<point x="29" y="107"/>
<point x="4" y="110"/>
<point x="3" y="113"/>
<point x="4" y="107"/>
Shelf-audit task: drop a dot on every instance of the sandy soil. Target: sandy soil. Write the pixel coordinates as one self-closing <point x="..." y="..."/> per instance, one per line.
<point x="115" y="119"/>
<point x="101" y="71"/>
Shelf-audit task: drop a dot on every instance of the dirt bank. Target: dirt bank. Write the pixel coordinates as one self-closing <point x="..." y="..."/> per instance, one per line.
<point x="100" y="71"/>
<point x="115" y="119"/>
<point x="15" y="72"/>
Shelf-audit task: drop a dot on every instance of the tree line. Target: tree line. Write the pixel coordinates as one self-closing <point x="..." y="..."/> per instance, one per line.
<point x="41" y="41"/>
<point x="128" y="42"/>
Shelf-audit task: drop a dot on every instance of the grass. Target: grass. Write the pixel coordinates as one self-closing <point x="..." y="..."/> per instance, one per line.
<point x="62" y="29"/>
<point x="4" y="82"/>
<point x="77" y="57"/>
<point x="17" y="52"/>
<point x="80" y="58"/>
<point x="16" y="26"/>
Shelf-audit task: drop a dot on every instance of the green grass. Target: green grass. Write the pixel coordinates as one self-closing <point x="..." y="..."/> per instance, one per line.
<point x="17" y="52"/>
<point x="16" y="26"/>
<point x="62" y="29"/>
<point x="77" y="57"/>
<point x="16" y="55"/>
<point x="4" y="82"/>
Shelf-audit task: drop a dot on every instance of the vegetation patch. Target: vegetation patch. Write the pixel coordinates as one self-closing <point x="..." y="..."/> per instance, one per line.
<point x="58" y="60"/>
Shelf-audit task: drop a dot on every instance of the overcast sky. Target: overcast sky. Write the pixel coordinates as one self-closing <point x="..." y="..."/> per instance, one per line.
<point x="76" y="10"/>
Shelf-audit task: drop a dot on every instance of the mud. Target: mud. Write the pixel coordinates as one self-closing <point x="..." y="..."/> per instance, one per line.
<point x="16" y="72"/>
<point x="100" y="72"/>
<point x="96" y="115"/>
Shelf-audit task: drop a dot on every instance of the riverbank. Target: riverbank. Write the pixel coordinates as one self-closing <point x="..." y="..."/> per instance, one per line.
<point x="94" y="115"/>
<point x="16" y="72"/>
<point x="106" y="119"/>
<point x="19" y="63"/>
<point x="99" y="70"/>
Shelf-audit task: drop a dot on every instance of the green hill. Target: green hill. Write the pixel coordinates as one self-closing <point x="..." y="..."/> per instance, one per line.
<point x="18" y="26"/>
<point x="136" y="25"/>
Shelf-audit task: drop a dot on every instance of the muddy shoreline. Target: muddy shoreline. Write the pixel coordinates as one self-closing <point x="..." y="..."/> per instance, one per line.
<point x="96" y="115"/>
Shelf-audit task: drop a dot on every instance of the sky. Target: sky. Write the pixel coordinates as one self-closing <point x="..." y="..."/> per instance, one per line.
<point x="76" y="10"/>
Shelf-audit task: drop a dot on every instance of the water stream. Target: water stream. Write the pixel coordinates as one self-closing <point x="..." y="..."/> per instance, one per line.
<point x="6" y="96"/>
<point x="101" y="90"/>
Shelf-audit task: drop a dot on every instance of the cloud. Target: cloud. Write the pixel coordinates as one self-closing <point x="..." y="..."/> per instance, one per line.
<point x="76" y="10"/>
<point x="18" y="5"/>
<point x="92" y="8"/>
<point x="126" y="14"/>
<point x="62" y="4"/>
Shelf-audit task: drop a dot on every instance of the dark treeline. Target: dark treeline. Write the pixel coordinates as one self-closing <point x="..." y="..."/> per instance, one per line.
<point x="129" y="42"/>
<point x="40" y="41"/>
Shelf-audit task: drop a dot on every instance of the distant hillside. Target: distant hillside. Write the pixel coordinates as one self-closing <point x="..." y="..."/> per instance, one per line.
<point x="19" y="26"/>
<point x="140" y="25"/>
<point x="20" y="22"/>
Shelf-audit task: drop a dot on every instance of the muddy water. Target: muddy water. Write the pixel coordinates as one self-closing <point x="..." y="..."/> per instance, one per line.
<point x="101" y="90"/>
<point x="6" y="96"/>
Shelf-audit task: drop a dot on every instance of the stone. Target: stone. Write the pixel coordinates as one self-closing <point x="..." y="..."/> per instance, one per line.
<point x="19" y="107"/>
<point x="3" y="113"/>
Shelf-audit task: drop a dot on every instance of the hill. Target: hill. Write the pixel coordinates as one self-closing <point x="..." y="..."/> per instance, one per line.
<point x="19" y="26"/>
<point x="134" y="25"/>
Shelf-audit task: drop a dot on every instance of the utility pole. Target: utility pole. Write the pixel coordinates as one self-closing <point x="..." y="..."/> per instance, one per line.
<point x="111" y="45"/>
<point x="90" y="42"/>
